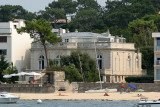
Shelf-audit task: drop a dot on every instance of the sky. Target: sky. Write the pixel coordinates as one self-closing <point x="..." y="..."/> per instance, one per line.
<point x="35" y="5"/>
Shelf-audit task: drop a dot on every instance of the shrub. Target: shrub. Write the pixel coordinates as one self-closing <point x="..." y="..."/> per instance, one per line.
<point x="143" y="79"/>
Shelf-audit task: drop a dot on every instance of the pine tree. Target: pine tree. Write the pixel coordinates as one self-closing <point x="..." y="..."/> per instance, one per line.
<point x="3" y="66"/>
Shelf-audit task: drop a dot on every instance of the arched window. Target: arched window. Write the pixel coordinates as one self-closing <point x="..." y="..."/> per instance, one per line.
<point x="99" y="59"/>
<point x="41" y="62"/>
<point x="58" y="59"/>
<point x="129" y="61"/>
<point x="137" y="62"/>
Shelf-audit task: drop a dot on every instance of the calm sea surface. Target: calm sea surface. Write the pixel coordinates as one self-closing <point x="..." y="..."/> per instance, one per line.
<point x="63" y="103"/>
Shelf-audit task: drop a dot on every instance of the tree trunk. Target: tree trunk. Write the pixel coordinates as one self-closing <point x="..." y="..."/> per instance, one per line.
<point x="66" y="23"/>
<point x="55" y="24"/>
<point x="46" y="53"/>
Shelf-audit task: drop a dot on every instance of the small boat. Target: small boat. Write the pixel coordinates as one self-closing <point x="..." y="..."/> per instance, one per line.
<point x="149" y="102"/>
<point x="39" y="101"/>
<point x="8" y="98"/>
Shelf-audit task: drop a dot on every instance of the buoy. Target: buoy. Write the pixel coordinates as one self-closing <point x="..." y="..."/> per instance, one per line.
<point x="39" y="101"/>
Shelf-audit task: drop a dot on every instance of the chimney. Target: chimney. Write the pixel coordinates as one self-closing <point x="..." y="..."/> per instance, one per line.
<point x="60" y="31"/>
<point x="108" y="33"/>
<point x="67" y="30"/>
<point x="76" y="30"/>
<point x="117" y="39"/>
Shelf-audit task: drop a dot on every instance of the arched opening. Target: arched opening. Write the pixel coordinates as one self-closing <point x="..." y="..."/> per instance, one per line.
<point x="58" y="60"/>
<point x="129" y="61"/>
<point x="137" y="62"/>
<point x="99" y="59"/>
<point x="41" y="62"/>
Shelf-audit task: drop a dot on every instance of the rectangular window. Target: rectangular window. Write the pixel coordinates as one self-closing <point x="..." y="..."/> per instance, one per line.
<point x="158" y="59"/>
<point x="15" y="26"/>
<point x="158" y="74"/>
<point x="158" y="41"/>
<point x="3" y="38"/>
<point x="3" y="51"/>
<point x="66" y="40"/>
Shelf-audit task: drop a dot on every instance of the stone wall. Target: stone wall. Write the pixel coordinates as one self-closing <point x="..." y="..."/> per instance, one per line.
<point x="147" y="87"/>
<point x="27" y="88"/>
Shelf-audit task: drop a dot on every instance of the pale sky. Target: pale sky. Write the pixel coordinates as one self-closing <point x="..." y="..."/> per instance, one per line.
<point x="35" y="5"/>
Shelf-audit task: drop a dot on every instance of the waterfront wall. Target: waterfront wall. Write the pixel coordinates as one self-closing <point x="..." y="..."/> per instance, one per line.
<point x="26" y="88"/>
<point x="147" y="87"/>
<point x="82" y="87"/>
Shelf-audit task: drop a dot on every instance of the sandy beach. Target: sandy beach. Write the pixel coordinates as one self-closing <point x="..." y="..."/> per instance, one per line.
<point x="87" y="96"/>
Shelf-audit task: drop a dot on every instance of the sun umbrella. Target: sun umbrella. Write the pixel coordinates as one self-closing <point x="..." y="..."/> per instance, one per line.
<point x="134" y="87"/>
<point x="7" y="76"/>
<point x="22" y="73"/>
<point x="14" y="74"/>
<point x="34" y="73"/>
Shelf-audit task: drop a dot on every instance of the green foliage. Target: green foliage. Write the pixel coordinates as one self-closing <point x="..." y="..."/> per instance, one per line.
<point x="10" y="70"/>
<point x="52" y="15"/>
<point x="99" y="31"/>
<point x="88" y="4"/>
<point x="54" y="67"/>
<point x="9" y="12"/>
<point x="89" y="72"/>
<point x="72" y="66"/>
<point x="142" y="32"/>
<point x="155" y="18"/>
<point x="68" y="6"/>
<point x="53" y="62"/>
<point x="7" y="68"/>
<point x="148" y="59"/>
<point x="72" y="74"/>
<point x="3" y="66"/>
<point x="40" y="31"/>
<point x="127" y="10"/>
<point x="148" y="79"/>
<point x="87" y="20"/>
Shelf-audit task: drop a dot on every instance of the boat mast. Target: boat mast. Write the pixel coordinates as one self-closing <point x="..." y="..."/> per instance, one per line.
<point x="98" y="65"/>
<point x="81" y="68"/>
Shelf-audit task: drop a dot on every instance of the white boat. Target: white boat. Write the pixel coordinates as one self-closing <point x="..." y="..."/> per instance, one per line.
<point x="101" y="90"/>
<point x="8" y="98"/>
<point x="149" y="102"/>
<point x="39" y="101"/>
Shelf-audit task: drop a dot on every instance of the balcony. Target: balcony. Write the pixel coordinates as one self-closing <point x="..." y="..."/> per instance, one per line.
<point x="56" y="46"/>
<point x="5" y="30"/>
<point x="93" y="45"/>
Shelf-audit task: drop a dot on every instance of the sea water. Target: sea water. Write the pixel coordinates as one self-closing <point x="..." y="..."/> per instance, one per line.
<point x="65" y="103"/>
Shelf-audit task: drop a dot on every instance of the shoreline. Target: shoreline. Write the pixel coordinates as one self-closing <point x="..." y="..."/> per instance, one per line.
<point x="114" y="96"/>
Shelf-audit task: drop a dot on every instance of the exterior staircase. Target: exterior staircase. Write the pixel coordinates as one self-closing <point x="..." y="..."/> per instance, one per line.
<point x="42" y="80"/>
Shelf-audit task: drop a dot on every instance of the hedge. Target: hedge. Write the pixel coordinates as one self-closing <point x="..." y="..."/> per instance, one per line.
<point x="144" y="79"/>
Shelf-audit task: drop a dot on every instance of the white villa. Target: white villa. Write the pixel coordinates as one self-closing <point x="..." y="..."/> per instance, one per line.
<point x="116" y="58"/>
<point x="156" y="37"/>
<point x="15" y="46"/>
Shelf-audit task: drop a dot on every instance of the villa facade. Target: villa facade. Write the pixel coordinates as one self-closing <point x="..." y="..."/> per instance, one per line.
<point x="156" y="37"/>
<point x="115" y="58"/>
<point x="15" y="46"/>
